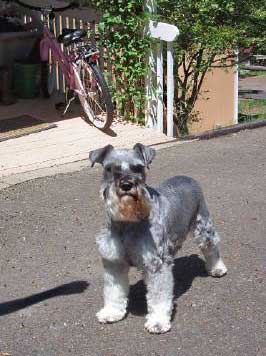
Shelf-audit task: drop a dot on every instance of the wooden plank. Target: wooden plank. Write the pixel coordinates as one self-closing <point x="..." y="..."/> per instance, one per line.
<point x="59" y="72"/>
<point x="160" y="87"/>
<point x="65" y="24"/>
<point x="170" y="90"/>
<point x="92" y="33"/>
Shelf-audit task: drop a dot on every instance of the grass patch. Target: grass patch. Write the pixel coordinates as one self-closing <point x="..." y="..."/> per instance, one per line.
<point x="244" y="73"/>
<point x="251" y="109"/>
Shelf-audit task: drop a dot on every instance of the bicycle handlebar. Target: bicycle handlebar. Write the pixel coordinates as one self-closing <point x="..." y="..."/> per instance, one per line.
<point x="72" y="5"/>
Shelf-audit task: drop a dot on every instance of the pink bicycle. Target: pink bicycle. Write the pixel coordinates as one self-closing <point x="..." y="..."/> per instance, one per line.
<point x="80" y="67"/>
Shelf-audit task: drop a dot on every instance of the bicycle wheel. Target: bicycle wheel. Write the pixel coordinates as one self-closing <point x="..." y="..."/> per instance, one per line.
<point x="48" y="75"/>
<point x="96" y="99"/>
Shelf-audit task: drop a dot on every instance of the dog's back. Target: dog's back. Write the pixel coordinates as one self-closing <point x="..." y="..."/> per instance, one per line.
<point x="182" y="188"/>
<point x="185" y="201"/>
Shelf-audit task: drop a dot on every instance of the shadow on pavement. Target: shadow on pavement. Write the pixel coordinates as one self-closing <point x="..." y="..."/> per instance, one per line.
<point x="110" y="132"/>
<point x="65" y="289"/>
<point x="185" y="270"/>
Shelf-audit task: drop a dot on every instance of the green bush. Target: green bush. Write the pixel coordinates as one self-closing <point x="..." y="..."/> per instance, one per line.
<point x="121" y="29"/>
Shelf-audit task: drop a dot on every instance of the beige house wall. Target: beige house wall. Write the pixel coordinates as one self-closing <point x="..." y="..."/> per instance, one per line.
<point x="216" y="105"/>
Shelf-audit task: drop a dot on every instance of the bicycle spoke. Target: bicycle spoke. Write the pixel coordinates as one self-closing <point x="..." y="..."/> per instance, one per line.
<point x="94" y="95"/>
<point x="96" y="100"/>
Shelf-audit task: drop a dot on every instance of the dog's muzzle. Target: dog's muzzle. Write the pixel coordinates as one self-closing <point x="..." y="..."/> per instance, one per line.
<point x="129" y="201"/>
<point x="127" y="187"/>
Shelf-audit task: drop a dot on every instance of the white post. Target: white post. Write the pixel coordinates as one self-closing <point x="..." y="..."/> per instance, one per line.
<point x="151" y="103"/>
<point x="236" y="91"/>
<point x="170" y="89"/>
<point x="154" y="114"/>
<point x="160" y="87"/>
<point x="151" y="99"/>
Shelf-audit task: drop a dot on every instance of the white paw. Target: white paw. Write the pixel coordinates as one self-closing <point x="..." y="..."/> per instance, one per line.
<point x="157" y="325"/>
<point x="218" y="270"/>
<point x="110" y="315"/>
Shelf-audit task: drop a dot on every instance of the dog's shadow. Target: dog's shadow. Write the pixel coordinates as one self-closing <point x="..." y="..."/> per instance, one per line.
<point x="12" y="306"/>
<point x="185" y="270"/>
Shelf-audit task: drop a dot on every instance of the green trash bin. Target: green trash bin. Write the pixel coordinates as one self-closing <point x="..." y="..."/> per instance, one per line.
<point x="26" y="79"/>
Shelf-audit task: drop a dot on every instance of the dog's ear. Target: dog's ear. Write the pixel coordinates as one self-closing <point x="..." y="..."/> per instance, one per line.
<point x="147" y="154"/>
<point x="99" y="155"/>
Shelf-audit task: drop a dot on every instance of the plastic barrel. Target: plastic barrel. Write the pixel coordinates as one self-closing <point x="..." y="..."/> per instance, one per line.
<point x="26" y="79"/>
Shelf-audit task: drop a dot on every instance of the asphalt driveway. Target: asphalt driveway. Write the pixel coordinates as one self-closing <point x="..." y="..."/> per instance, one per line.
<point x="51" y="275"/>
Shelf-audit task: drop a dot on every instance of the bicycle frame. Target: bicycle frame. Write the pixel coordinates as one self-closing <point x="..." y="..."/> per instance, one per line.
<point x="67" y="63"/>
<point x="80" y="61"/>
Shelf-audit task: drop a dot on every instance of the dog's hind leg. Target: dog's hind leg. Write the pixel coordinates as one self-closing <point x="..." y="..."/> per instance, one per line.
<point x="116" y="289"/>
<point x="208" y="239"/>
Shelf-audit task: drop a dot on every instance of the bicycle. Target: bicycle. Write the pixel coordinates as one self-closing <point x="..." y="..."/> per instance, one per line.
<point x="79" y="67"/>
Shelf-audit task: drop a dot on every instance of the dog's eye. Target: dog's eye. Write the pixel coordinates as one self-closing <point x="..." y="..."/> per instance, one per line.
<point x="108" y="169"/>
<point x="138" y="168"/>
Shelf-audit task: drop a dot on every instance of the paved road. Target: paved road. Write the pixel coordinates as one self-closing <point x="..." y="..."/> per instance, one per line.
<point x="47" y="240"/>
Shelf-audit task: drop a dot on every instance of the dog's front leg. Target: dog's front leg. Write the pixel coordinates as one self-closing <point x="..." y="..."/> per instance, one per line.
<point x="116" y="288"/>
<point x="160" y="285"/>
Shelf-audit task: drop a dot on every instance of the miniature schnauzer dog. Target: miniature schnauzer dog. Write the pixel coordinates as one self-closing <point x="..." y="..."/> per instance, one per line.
<point x="146" y="227"/>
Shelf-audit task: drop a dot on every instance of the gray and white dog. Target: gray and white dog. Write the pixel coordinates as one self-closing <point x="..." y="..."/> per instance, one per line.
<point x="146" y="227"/>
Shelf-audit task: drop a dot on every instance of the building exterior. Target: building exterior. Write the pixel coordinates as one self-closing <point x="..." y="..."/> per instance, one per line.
<point x="218" y="102"/>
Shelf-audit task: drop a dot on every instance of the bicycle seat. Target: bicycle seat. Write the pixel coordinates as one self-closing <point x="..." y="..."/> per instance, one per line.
<point x="69" y="36"/>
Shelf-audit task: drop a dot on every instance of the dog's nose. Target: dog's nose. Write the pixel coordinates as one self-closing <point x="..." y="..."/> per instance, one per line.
<point x="126" y="185"/>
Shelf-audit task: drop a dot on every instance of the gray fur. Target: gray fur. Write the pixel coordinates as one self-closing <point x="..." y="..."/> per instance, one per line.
<point x="150" y="238"/>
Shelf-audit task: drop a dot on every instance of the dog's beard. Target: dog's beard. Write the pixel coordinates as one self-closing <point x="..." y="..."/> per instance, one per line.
<point x="131" y="207"/>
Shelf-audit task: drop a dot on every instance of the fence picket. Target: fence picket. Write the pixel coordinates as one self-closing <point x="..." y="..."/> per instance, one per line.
<point x="160" y="87"/>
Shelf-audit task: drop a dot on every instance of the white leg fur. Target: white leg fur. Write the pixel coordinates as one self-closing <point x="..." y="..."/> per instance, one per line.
<point x="214" y="265"/>
<point x="208" y="239"/>
<point x="116" y="288"/>
<point x="159" y="299"/>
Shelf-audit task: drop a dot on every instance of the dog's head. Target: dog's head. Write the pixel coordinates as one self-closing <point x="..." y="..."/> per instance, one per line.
<point x="123" y="185"/>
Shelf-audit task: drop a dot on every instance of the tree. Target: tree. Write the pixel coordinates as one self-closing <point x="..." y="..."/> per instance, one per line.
<point x="211" y="31"/>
